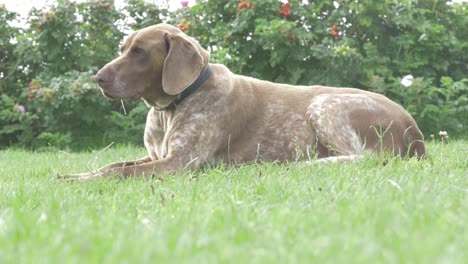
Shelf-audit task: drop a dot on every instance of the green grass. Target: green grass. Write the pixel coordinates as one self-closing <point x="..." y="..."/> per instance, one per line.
<point x="367" y="211"/>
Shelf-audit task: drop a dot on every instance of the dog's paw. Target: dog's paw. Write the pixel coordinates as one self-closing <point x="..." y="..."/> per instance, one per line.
<point x="81" y="177"/>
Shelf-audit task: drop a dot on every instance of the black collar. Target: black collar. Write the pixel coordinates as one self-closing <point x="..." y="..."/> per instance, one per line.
<point x="191" y="89"/>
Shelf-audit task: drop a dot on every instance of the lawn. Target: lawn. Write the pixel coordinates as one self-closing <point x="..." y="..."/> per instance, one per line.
<point x="367" y="211"/>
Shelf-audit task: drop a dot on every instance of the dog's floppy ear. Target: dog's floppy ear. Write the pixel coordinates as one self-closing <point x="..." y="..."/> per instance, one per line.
<point x="182" y="66"/>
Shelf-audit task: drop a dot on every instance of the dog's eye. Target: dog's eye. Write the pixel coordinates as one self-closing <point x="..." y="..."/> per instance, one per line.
<point x="137" y="50"/>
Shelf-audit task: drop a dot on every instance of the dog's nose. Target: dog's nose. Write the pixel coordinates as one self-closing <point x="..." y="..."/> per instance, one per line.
<point x="101" y="77"/>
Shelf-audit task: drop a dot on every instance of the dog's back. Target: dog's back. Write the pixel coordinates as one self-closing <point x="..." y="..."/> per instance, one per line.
<point x="273" y="121"/>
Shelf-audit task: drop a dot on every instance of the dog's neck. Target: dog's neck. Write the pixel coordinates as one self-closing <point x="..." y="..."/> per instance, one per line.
<point x="194" y="86"/>
<point x="204" y="76"/>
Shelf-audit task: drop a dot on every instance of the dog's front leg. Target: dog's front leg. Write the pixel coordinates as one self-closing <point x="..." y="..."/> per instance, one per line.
<point x="103" y="170"/>
<point x="147" y="170"/>
<point x="193" y="143"/>
<point x="125" y="164"/>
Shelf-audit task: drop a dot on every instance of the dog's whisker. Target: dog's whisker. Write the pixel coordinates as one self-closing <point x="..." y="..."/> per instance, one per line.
<point x="123" y="107"/>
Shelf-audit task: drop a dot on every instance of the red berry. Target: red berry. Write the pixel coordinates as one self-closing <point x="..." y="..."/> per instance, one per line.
<point x="182" y="27"/>
<point x="285" y="10"/>
<point x="241" y="5"/>
<point x="290" y="37"/>
<point x="284" y="14"/>
<point x="106" y="6"/>
<point x="248" y="6"/>
<point x="335" y="28"/>
<point x="335" y="34"/>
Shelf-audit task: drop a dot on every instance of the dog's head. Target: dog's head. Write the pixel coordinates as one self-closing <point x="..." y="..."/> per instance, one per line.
<point x="156" y="63"/>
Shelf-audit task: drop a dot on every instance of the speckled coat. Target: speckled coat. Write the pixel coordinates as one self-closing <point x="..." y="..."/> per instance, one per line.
<point x="235" y="119"/>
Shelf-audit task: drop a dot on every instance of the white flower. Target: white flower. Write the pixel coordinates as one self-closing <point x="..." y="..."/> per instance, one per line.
<point x="443" y="134"/>
<point x="407" y="81"/>
<point x="43" y="217"/>
<point x="145" y="221"/>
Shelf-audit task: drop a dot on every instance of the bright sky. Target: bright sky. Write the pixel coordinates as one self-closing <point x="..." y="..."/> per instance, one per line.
<point x="23" y="6"/>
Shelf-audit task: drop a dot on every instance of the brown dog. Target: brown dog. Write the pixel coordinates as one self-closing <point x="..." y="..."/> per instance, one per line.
<point x="202" y="113"/>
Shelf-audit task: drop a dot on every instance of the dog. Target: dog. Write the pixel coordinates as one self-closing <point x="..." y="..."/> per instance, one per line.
<point x="201" y="113"/>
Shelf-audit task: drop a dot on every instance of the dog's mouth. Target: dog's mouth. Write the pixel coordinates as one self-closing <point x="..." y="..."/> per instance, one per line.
<point x="107" y="95"/>
<point x="113" y="97"/>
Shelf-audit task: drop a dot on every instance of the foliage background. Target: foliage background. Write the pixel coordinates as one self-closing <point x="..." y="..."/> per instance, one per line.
<point x="48" y="96"/>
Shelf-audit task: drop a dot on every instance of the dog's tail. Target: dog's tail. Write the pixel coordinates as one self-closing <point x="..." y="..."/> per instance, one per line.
<point x="417" y="149"/>
<point x="415" y="142"/>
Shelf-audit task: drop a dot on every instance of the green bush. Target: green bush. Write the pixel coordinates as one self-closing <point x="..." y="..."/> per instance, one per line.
<point x="8" y="58"/>
<point x="366" y="44"/>
<point x="69" y="111"/>
<point x="16" y="121"/>
<point x="57" y="56"/>
<point x="72" y="105"/>
<point x="69" y="36"/>
<point x="436" y="108"/>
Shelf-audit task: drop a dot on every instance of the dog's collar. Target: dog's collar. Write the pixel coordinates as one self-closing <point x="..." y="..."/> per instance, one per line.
<point x="191" y="89"/>
<point x="194" y="86"/>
